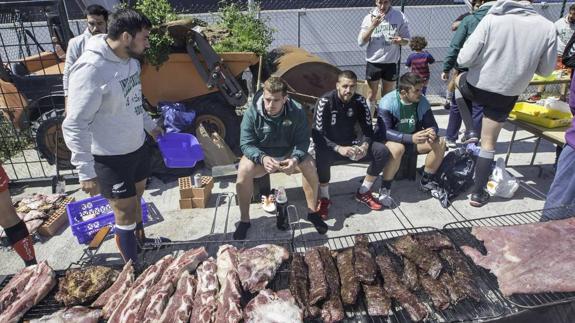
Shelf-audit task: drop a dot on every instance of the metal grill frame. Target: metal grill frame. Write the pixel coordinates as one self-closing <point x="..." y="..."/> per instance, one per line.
<point x="465" y="310"/>
<point x="460" y="233"/>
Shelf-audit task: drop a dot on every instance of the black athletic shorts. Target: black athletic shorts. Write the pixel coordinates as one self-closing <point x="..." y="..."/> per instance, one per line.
<point x="118" y="174"/>
<point x="377" y="71"/>
<point x="495" y="106"/>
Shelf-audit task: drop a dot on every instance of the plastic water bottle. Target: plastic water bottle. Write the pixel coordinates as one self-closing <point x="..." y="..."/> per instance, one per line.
<point x="281" y="209"/>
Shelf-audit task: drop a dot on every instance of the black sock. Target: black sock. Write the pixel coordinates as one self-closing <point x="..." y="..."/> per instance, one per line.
<point x="426" y="177"/>
<point x="317" y="222"/>
<point x="127" y="243"/>
<point x="386" y="184"/>
<point x="242" y="230"/>
<point x="482" y="170"/>
<point x="20" y="240"/>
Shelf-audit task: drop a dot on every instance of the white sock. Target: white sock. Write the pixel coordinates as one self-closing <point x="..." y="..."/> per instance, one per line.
<point x="324" y="191"/>
<point x="365" y="186"/>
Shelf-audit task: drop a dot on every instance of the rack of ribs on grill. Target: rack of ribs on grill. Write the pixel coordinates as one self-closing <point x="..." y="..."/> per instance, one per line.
<point x="364" y="266"/>
<point x="179" y="307"/>
<point x="529" y="258"/>
<point x="422" y="256"/>
<point x="80" y="286"/>
<point x="76" y="314"/>
<point x="229" y="308"/>
<point x="349" y="282"/>
<point x="205" y="303"/>
<point x="332" y="308"/>
<point x="258" y="265"/>
<point x="318" y="288"/>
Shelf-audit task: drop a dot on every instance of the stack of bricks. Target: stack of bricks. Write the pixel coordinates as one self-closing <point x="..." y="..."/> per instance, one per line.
<point x="195" y="197"/>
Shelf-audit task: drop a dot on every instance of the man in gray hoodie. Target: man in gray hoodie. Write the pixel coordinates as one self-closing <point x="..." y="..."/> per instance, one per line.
<point x="105" y="126"/>
<point x="507" y="47"/>
<point x="97" y="20"/>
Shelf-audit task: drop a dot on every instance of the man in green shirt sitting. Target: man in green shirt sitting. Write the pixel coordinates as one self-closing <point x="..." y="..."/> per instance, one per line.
<point x="409" y="127"/>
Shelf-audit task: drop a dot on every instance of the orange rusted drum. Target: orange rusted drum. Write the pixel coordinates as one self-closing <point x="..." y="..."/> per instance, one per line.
<point x="177" y="79"/>
<point x="307" y="75"/>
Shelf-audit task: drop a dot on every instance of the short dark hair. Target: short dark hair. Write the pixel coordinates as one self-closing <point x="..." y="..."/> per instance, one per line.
<point x="350" y="75"/>
<point x="127" y="20"/>
<point x="97" y="10"/>
<point x="409" y="80"/>
<point x="418" y="43"/>
<point x="572" y="7"/>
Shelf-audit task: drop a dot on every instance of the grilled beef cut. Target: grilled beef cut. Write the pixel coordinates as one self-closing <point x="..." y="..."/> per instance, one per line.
<point x="298" y="282"/>
<point x="434" y="241"/>
<point x="377" y="299"/>
<point x="529" y="258"/>
<point x="349" y="282"/>
<point x="456" y="291"/>
<point x="205" y="302"/>
<point x="80" y="286"/>
<point x="115" y="292"/>
<point x="364" y="266"/>
<point x="257" y="266"/>
<point x="270" y="307"/>
<point x="332" y="308"/>
<point x="39" y="284"/>
<point x="462" y="275"/>
<point x="229" y="308"/>
<point x="422" y="256"/>
<point x="317" y="285"/>
<point x="436" y="291"/>
<point x="76" y="314"/>
<point x="179" y="307"/>
<point x="129" y="306"/>
<point x="410" y="276"/>
<point x="15" y="287"/>
<point x="396" y="289"/>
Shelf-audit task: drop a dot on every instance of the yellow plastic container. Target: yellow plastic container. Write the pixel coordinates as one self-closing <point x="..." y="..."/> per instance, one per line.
<point x="540" y="115"/>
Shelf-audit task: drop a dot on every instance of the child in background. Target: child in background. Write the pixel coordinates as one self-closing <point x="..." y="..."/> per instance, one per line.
<point x="420" y="60"/>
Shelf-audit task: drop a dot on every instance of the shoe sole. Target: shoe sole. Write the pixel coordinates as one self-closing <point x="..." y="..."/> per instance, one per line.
<point x="477" y="204"/>
<point x="473" y="140"/>
<point x="360" y="201"/>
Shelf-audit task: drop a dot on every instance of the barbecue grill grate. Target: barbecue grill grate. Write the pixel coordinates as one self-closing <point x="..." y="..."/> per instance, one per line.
<point x="47" y="306"/>
<point x="460" y="233"/>
<point x="491" y="305"/>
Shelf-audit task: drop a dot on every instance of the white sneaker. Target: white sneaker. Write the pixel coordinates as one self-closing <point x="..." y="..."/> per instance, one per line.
<point x="385" y="197"/>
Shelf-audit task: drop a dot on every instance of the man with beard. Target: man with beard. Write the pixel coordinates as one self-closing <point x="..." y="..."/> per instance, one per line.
<point x="97" y="20"/>
<point x="336" y="114"/>
<point x="105" y="126"/>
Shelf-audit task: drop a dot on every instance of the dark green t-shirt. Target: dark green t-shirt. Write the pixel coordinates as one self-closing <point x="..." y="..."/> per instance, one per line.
<point x="407" y="117"/>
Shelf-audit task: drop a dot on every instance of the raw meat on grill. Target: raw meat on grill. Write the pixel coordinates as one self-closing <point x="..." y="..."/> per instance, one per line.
<point x="396" y="289"/>
<point x="529" y="258"/>
<point x="128" y="308"/>
<point x="270" y="307"/>
<point x="257" y="266"/>
<point x="40" y="283"/>
<point x="229" y="308"/>
<point x="410" y="276"/>
<point x="436" y="291"/>
<point x="422" y="256"/>
<point x="157" y="297"/>
<point x="80" y="286"/>
<point x="434" y="241"/>
<point x="318" y="288"/>
<point x="377" y="299"/>
<point x="76" y="314"/>
<point x="205" y="302"/>
<point x="462" y="275"/>
<point x="349" y="282"/>
<point x="298" y="283"/>
<point x="15" y="287"/>
<point x="364" y="266"/>
<point x="179" y="307"/>
<point x="332" y="308"/>
<point x="122" y="283"/>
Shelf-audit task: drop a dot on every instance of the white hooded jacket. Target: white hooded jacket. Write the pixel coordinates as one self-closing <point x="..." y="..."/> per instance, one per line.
<point x="508" y="46"/>
<point x="104" y="114"/>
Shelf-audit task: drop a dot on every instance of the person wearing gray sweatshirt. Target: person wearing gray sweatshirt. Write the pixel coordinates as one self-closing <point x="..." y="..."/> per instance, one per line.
<point x="105" y="125"/>
<point x="510" y="44"/>
<point x="97" y="20"/>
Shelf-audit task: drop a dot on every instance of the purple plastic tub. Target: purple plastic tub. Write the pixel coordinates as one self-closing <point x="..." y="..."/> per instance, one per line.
<point x="180" y="150"/>
<point x="102" y="215"/>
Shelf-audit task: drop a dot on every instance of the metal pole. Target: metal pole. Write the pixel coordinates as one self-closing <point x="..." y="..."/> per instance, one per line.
<point x="399" y="60"/>
<point x="563" y="8"/>
<point x="298" y="28"/>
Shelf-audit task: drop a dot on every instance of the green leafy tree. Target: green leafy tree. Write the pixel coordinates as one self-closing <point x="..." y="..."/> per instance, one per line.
<point x="159" y="12"/>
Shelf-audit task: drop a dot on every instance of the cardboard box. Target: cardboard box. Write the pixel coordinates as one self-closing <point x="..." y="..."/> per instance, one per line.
<point x="186" y="204"/>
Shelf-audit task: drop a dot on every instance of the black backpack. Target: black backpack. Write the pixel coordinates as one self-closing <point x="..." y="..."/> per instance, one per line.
<point x="454" y="176"/>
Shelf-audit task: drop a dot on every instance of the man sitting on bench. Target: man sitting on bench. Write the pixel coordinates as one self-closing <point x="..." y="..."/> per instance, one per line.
<point x="405" y="119"/>
<point x="275" y="138"/>
<point x="336" y="114"/>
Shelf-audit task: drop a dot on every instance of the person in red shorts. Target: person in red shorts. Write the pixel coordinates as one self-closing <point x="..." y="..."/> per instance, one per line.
<point x="15" y="228"/>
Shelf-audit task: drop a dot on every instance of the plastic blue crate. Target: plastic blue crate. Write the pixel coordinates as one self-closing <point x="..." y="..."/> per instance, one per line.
<point x="85" y="230"/>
